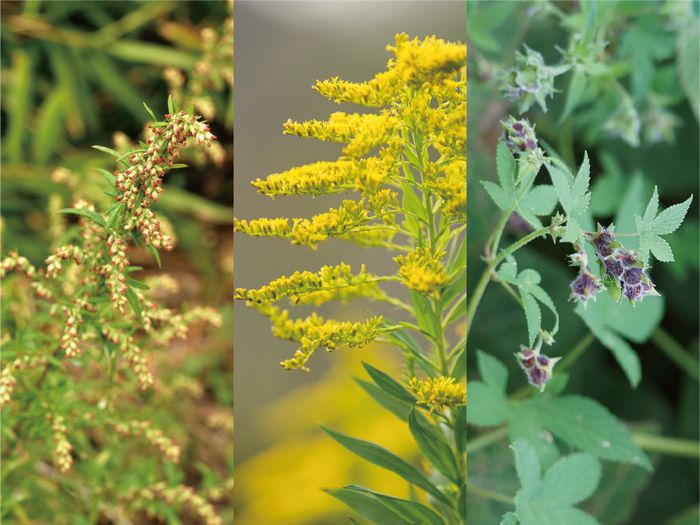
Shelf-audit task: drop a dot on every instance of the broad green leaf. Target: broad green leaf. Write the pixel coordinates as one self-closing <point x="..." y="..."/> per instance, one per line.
<point x="671" y="218"/>
<point x="577" y="86"/>
<point x="497" y="195"/>
<point x="540" y="201"/>
<point x="588" y="426"/>
<point x="389" y="384"/>
<point x="505" y="168"/>
<point x="527" y="465"/>
<point x="388" y="460"/>
<point x="487" y="407"/>
<point x="433" y="446"/>
<point x="659" y="248"/>
<point x="571" y="480"/>
<point x="492" y="371"/>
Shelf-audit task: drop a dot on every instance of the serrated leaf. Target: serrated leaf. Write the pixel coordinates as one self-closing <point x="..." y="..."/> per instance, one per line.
<point x="505" y="168"/>
<point x="660" y="248"/>
<point x="492" y="371"/>
<point x="433" y="446"/>
<point x="540" y="201"/>
<point x="487" y="407"/>
<point x="527" y="465"/>
<point x="588" y="426"/>
<point x="651" y="210"/>
<point x="497" y="195"/>
<point x="571" y="480"/>
<point x="671" y="218"/>
<point x="533" y="315"/>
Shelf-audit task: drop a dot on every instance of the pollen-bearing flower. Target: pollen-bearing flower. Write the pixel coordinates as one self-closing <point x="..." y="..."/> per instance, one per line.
<point x="140" y="184"/>
<point x="519" y="135"/>
<point x="421" y="271"/>
<point x="438" y="393"/>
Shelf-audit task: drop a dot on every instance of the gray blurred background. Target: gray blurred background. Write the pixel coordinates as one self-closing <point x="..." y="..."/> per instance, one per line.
<point x="281" y="49"/>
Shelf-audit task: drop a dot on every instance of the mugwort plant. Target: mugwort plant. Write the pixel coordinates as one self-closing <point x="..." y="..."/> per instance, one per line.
<point x="406" y="165"/>
<point x="540" y="192"/>
<point x="83" y="345"/>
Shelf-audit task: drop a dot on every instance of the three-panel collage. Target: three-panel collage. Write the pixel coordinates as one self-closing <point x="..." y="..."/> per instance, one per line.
<point x="446" y="273"/>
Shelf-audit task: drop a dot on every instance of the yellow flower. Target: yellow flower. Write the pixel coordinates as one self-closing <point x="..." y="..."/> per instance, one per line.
<point x="438" y="393"/>
<point x="329" y="283"/>
<point x="421" y="271"/>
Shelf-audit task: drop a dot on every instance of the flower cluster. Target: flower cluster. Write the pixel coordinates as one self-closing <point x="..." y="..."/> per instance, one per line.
<point x="141" y="182"/>
<point x="621" y="267"/>
<point x="329" y="283"/>
<point x="537" y="366"/>
<point x="421" y="270"/>
<point x="132" y="353"/>
<point x="16" y="263"/>
<point x="180" y="495"/>
<point x="153" y="435"/>
<point x="519" y="135"/>
<point x="530" y="81"/>
<point x="63" y="448"/>
<point x="438" y="393"/>
<point x="586" y="285"/>
<point x="333" y="335"/>
<point x="7" y="376"/>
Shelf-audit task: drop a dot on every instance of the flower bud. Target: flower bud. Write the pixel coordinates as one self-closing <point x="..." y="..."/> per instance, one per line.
<point x="519" y="135"/>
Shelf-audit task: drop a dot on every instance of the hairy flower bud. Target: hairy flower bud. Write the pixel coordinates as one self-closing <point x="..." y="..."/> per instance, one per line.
<point x="537" y="367"/>
<point x="519" y="135"/>
<point x="530" y="81"/>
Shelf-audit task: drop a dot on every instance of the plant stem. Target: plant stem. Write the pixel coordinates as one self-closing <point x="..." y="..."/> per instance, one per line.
<point x="489" y="494"/>
<point x="486" y="275"/>
<point x="666" y="445"/>
<point x="676" y="353"/>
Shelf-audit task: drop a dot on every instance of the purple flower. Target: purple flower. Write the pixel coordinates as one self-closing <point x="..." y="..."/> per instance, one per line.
<point x="633" y="276"/>
<point x="613" y="267"/>
<point x="519" y="135"/>
<point x="585" y="287"/>
<point x="537" y="367"/>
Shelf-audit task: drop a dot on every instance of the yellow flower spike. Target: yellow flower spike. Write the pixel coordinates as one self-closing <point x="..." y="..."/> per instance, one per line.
<point x="421" y="271"/>
<point x="415" y="62"/>
<point x="263" y="227"/>
<point x="332" y="335"/>
<point x="452" y="189"/>
<point x="438" y="393"/>
<point x="314" y="179"/>
<point x="329" y="283"/>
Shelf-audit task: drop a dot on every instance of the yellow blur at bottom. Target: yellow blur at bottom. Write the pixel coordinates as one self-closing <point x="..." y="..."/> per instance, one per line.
<point x="284" y="483"/>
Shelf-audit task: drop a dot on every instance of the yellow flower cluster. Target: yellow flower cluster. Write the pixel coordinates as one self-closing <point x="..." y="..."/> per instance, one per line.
<point x="332" y="335"/>
<point x="415" y="62"/>
<point x="421" y="271"/>
<point x="452" y="189"/>
<point x="438" y="393"/>
<point x="329" y="283"/>
<point x="318" y="178"/>
<point x="362" y="132"/>
<point x="153" y="435"/>
<point x="63" y="448"/>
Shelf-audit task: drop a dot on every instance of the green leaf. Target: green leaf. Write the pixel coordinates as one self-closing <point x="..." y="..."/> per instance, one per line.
<point x="671" y="218"/>
<point x="505" y="169"/>
<point x="150" y="112"/>
<point x="399" y="408"/>
<point x="156" y="255"/>
<point x="389" y="384"/>
<point x="109" y="151"/>
<point x="659" y="248"/>
<point x="385" y="459"/>
<point x="549" y="500"/>
<point x="577" y="86"/>
<point x="428" y="322"/>
<point x="110" y="178"/>
<point x="93" y="216"/>
<point x="571" y="480"/>
<point x="134" y="302"/>
<point x="459" y="367"/>
<point x="492" y="371"/>
<point x="433" y="446"/>
<point x="488" y="405"/>
<point x="497" y="195"/>
<point x="367" y="506"/>
<point x="588" y="426"/>
<point x="533" y="315"/>
<point x="49" y="130"/>
<point x="411" y="511"/>
<point x="171" y="108"/>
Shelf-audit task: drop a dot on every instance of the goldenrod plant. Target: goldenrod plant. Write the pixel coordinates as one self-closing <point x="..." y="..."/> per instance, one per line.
<point x="86" y="344"/>
<point x="405" y="164"/>
<point x="575" y="125"/>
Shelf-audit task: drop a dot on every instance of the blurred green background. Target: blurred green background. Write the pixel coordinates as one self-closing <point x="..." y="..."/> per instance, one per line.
<point x="666" y="401"/>
<point x="282" y="457"/>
